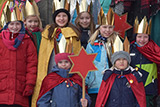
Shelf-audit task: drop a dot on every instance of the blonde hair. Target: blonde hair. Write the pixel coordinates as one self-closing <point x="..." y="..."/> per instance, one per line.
<point x="110" y="39"/>
<point x="39" y="20"/>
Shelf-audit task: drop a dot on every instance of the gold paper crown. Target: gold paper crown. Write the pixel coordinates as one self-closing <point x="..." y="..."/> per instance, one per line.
<point x="0" y="25"/>
<point x="106" y="19"/>
<point x="143" y="27"/>
<point x="118" y="45"/>
<point x="121" y="46"/>
<point x="31" y="8"/>
<point x="58" y="4"/>
<point x="13" y="15"/>
<point x="83" y="6"/>
<point x="6" y="13"/>
<point x="3" y="19"/>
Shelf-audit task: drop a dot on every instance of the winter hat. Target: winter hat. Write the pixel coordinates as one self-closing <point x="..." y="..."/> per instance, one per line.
<point x="120" y="54"/>
<point x="62" y="56"/>
<point x="58" y="11"/>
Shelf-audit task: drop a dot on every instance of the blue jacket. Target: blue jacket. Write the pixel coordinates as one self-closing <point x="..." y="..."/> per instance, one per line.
<point x="61" y="95"/>
<point x="121" y="94"/>
<point x="94" y="78"/>
<point x="147" y="68"/>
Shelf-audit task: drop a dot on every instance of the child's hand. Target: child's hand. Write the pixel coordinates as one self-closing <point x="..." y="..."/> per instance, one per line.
<point x="84" y="102"/>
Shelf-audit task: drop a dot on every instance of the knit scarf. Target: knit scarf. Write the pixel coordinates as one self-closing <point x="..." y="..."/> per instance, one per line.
<point x="101" y="38"/>
<point x="12" y="44"/>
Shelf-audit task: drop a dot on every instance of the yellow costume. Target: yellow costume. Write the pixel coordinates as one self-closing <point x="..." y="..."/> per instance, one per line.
<point x="45" y="51"/>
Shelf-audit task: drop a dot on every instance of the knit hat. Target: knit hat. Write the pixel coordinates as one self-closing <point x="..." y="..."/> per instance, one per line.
<point x="62" y="56"/>
<point x="58" y="11"/>
<point x="120" y="54"/>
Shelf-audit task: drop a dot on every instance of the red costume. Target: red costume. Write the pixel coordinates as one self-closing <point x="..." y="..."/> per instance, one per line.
<point x="106" y="86"/>
<point x="53" y="79"/>
<point x="152" y="52"/>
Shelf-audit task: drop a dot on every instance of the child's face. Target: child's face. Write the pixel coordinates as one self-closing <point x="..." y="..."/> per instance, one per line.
<point x="14" y="26"/>
<point x="85" y="19"/>
<point x="61" y="19"/>
<point x="64" y="64"/>
<point x="31" y="22"/>
<point x="106" y="30"/>
<point x="121" y="63"/>
<point x="142" y="39"/>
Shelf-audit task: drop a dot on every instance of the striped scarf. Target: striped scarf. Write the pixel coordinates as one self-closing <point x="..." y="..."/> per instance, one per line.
<point x="11" y="44"/>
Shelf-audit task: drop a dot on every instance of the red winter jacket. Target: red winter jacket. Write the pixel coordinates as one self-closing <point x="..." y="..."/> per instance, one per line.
<point x="18" y="71"/>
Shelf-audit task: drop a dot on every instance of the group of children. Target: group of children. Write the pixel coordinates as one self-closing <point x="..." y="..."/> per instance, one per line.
<point x="35" y="63"/>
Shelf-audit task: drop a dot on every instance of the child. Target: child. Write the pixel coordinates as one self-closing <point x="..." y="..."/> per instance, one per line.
<point x="145" y="55"/>
<point x="33" y="23"/>
<point x="18" y="64"/>
<point x="59" y="37"/>
<point x="65" y="33"/>
<point x="85" y="23"/>
<point x="121" y="85"/>
<point x="60" y="88"/>
<point x="101" y="42"/>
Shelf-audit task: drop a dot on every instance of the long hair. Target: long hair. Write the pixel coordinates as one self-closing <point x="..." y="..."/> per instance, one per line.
<point x="91" y="26"/>
<point x="39" y="20"/>
<point x="54" y="25"/>
<point x="110" y="39"/>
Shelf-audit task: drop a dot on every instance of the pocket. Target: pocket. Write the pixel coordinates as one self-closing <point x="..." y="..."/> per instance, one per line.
<point x="53" y="103"/>
<point x="3" y="82"/>
<point x="21" y="84"/>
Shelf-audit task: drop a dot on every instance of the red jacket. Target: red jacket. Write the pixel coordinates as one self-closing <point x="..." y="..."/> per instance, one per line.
<point x="17" y="71"/>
